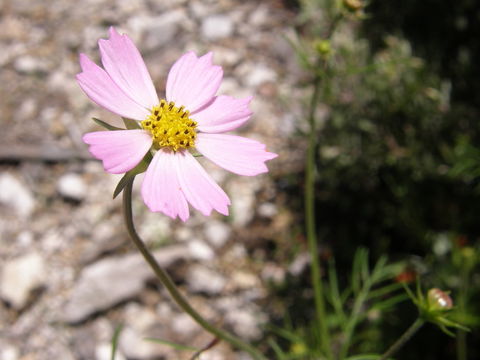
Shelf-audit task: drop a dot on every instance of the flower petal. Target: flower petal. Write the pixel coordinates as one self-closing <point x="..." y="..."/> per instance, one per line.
<point x="200" y="190"/>
<point x="123" y="62"/>
<point x="161" y="190"/>
<point x="235" y="153"/>
<point x="101" y="89"/>
<point x="120" y="150"/>
<point x="224" y="113"/>
<point x="193" y="82"/>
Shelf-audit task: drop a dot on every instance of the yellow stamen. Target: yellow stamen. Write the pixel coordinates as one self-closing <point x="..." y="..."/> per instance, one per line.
<point x="170" y="126"/>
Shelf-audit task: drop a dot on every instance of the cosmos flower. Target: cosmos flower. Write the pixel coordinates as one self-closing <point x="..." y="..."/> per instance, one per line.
<point x="191" y="117"/>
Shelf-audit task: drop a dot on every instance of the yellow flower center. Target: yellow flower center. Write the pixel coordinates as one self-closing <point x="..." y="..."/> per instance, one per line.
<point x="170" y="126"/>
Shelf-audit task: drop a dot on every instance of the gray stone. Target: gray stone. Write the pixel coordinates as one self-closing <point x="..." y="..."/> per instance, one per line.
<point x="200" y="250"/>
<point x="299" y="264"/>
<point x="260" y="74"/>
<point x="267" y="210"/>
<point x="72" y="186"/>
<point x="20" y="277"/>
<point x="201" y="279"/>
<point x="29" y="65"/>
<point x="217" y="233"/>
<point x="139" y="323"/>
<point x="107" y="282"/>
<point x="16" y="195"/>
<point x="217" y="27"/>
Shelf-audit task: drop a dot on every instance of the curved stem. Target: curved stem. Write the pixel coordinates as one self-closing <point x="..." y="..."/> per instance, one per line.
<point x="403" y="339"/>
<point x="310" y="224"/>
<point x="170" y="285"/>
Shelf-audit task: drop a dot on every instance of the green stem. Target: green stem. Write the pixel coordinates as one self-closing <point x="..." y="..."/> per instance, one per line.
<point x="403" y="339"/>
<point x="353" y="319"/>
<point x="461" y="340"/>
<point x="310" y="224"/>
<point x="170" y="285"/>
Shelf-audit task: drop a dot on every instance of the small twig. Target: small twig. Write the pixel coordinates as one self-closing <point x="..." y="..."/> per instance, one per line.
<point x="210" y="345"/>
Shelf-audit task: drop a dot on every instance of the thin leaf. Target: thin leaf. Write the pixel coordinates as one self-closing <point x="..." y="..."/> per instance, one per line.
<point x="106" y="125"/>
<point x="364" y="357"/>
<point x="386" y="304"/>
<point x="115" y="337"/>
<point x="384" y="290"/>
<point x="140" y="168"/>
<point x="131" y="124"/>
<point x="280" y="355"/>
<point x="172" y="344"/>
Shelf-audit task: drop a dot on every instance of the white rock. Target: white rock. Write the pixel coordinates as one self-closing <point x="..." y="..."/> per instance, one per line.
<point x="183" y="324"/>
<point x="139" y="322"/>
<point x="20" y="277"/>
<point x="16" y="195"/>
<point x="217" y="27"/>
<point x="267" y="210"/>
<point x="245" y="323"/>
<point x="260" y="74"/>
<point x="299" y="264"/>
<point x="217" y="233"/>
<point x="9" y="353"/>
<point x="28" y="64"/>
<point x="204" y="280"/>
<point x="112" y="280"/>
<point x="200" y="251"/>
<point x="242" y="195"/>
<point x="72" y="186"/>
<point x="103" y="351"/>
<point x="259" y="16"/>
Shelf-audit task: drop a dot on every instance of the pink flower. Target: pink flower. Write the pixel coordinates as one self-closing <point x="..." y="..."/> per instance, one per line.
<point x="191" y="116"/>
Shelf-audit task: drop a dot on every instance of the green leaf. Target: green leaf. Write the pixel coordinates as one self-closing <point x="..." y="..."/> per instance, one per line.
<point x="172" y="344"/>
<point x="140" y="168"/>
<point x="277" y="350"/>
<point x="364" y="357"/>
<point x="105" y="125"/>
<point x="131" y="124"/>
<point x="115" y="337"/>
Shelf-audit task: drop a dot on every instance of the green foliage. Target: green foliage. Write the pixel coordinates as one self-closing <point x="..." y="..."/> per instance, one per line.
<point x="398" y="159"/>
<point x="369" y="294"/>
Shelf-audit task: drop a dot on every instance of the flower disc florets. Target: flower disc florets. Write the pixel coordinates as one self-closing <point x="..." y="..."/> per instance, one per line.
<point x="170" y="127"/>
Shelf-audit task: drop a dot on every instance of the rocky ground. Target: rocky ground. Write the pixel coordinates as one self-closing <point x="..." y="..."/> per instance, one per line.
<point x="68" y="272"/>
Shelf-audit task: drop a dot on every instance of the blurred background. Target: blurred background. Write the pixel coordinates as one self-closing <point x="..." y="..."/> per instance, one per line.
<point x="398" y="173"/>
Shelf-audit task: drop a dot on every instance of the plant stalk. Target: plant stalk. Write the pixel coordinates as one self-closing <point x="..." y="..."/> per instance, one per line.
<point x="310" y="224"/>
<point x="403" y="339"/>
<point x="170" y="285"/>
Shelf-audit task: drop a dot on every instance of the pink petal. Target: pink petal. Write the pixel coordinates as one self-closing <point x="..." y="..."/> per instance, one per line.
<point x="200" y="190"/>
<point x="101" y="89"/>
<point x="123" y="62"/>
<point x="224" y="113"/>
<point x="193" y="82"/>
<point x="161" y="190"/>
<point x="235" y="153"/>
<point x="120" y="150"/>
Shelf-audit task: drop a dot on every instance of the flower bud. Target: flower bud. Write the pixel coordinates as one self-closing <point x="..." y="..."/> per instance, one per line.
<point x="353" y="5"/>
<point x="323" y="47"/>
<point x="439" y="300"/>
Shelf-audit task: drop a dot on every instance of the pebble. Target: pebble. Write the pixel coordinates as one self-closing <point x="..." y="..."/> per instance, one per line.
<point x="217" y="233"/>
<point x="72" y="186"/>
<point x="30" y="65"/>
<point x="20" y="277"/>
<point x="109" y="281"/>
<point x="200" y="250"/>
<point x="103" y="351"/>
<point x="217" y="27"/>
<point x="201" y="279"/>
<point x="16" y="195"/>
